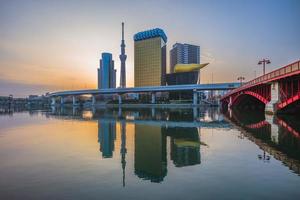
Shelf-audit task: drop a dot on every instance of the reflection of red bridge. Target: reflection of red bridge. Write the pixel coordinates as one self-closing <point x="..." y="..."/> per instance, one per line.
<point x="276" y="90"/>
<point x="289" y="128"/>
<point x="280" y="122"/>
<point x="258" y="125"/>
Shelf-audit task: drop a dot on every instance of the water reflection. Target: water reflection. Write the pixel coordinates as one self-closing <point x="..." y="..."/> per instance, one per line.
<point x="176" y="133"/>
<point x="185" y="145"/>
<point x="277" y="136"/>
<point x="150" y="154"/>
<point x="138" y="148"/>
<point x="106" y="138"/>
<point x="152" y="127"/>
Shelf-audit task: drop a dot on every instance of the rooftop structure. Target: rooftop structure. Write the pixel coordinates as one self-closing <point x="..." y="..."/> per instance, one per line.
<point x="152" y="33"/>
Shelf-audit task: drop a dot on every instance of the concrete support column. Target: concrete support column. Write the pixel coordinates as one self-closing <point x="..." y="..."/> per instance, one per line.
<point x="230" y="112"/>
<point x="53" y="109"/>
<point x="152" y="112"/>
<point x="274" y="128"/>
<point x="74" y="110"/>
<point x="62" y="100"/>
<point x="93" y="100"/>
<point x="120" y="112"/>
<point x="74" y="100"/>
<point x="195" y="97"/>
<point x="195" y="113"/>
<point x="52" y="101"/>
<point x="153" y="97"/>
<point x="120" y="99"/>
<point x="230" y="102"/>
<point x="271" y="107"/>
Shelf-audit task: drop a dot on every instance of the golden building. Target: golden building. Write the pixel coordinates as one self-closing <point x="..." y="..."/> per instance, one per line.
<point x="150" y="58"/>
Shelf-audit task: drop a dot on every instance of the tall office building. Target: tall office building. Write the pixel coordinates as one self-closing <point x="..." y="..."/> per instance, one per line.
<point x="123" y="60"/>
<point x="106" y="72"/>
<point x="184" y="54"/>
<point x="150" y="58"/>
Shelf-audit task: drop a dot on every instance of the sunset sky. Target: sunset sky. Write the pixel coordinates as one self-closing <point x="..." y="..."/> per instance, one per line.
<point x="55" y="45"/>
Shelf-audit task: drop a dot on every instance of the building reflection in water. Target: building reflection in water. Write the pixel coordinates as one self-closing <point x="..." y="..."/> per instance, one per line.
<point x="185" y="145"/>
<point x="106" y="137"/>
<point x="150" y="152"/>
<point x="277" y="136"/>
<point x="151" y="149"/>
<point x="150" y="160"/>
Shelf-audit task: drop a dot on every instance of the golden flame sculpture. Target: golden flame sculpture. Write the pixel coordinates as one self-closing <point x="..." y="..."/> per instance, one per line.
<point x="188" y="67"/>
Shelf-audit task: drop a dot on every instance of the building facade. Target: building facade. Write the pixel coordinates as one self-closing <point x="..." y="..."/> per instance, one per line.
<point x="106" y="72"/>
<point x="150" y="58"/>
<point x="184" y="54"/>
<point x="182" y="78"/>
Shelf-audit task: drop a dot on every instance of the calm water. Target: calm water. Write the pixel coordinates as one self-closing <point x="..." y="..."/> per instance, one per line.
<point x="148" y="154"/>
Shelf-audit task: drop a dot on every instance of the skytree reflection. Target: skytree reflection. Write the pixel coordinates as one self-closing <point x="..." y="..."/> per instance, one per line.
<point x="123" y="150"/>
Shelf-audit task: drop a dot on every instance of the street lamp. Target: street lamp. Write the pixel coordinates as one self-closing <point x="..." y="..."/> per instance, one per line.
<point x="241" y="78"/>
<point x="264" y="62"/>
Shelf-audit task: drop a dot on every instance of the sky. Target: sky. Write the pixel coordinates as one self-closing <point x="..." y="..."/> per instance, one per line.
<point x="52" y="45"/>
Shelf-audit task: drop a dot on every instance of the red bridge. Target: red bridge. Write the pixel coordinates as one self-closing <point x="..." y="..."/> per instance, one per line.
<point x="277" y="91"/>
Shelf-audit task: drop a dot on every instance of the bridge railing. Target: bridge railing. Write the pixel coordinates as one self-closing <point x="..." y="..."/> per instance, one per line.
<point x="281" y="72"/>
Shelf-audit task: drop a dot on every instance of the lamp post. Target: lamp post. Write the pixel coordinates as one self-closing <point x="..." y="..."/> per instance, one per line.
<point x="241" y="78"/>
<point x="264" y="62"/>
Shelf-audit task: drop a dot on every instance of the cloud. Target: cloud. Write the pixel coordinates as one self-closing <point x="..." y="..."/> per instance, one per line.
<point x="206" y="56"/>
<point x="19" y="89"/>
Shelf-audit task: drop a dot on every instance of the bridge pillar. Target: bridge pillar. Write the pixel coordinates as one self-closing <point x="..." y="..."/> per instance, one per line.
<point x="62" y="100"/>
<point x="53" y="109"/>
<point x="230" y="102"/>
<point x="120" y="99"/>
<point x="274" y="128"/>
<point x="153" y="97"/>
<point x="152" y="113"/>
<point x="93" y="100"/>
<point x="119" y="112"/>
<point x="195" y="97"/>
<point x="74" y="110"/>
<point x="195" y="113"/>
<point x="53" y="101"/>
<point x="271" y="106"/>
<point x="74" y="100"/>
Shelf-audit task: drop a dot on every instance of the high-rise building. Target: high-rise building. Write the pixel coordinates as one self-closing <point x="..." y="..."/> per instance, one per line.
<point x="184" y="54"/>
<point x="106" y="72"/>
<point x="123" y="60"/>
<point x="150" y="58"/>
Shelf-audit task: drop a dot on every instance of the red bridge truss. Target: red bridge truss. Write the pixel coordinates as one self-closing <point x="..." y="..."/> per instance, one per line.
<point x="276" y="90"/>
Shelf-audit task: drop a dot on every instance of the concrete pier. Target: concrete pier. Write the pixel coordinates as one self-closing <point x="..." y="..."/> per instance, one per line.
<point x="271" y="106"/>
<point x="62" y="100"/>
<point x="153" y="97"/>
<point x="74" y="100"/>
<point x="195" y="97"/>
<point x="53" y="101"/>
<point x="93" y="100"/>
<point x="120" y="99"/>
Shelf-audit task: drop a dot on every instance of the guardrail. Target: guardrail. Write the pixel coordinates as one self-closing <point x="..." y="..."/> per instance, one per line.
<point x="278" y="73"/>
<point x="169" y="88"/>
